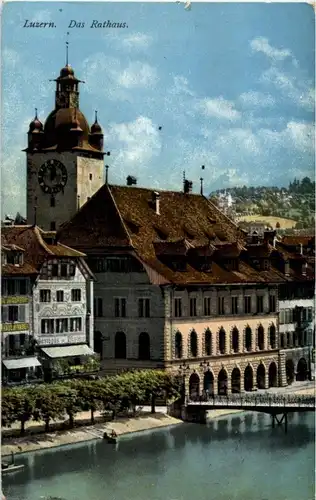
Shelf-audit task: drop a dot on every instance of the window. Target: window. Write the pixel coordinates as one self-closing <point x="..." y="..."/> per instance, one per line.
<point x="282" y="343"/>
<point x="221" y="305"/>
<point x="193" y="306"/>
<point x="53" y="224"/>
<point x="234" y="305"/>
<point x="47" y="326"/>
<point x="62" y="325"/>
<point x="235" y="340"/>
<point x="15" y="258"/>
<point x="310" y="314"/>
<point x="247" y="304"/>
<point x="55" y="270"/>
<point x="75" y="324"/>
<point x="60" y="296"/>
<point x="98" y="307"/>
<point x="193" y="344"/>
<point x="45" y="295"/>
<point x="208" y="343"/>
<point x="76" y="295"/>
<point x="248" y="338"/>
<point x="64" y="270"/>
<point x="144" y="346"/>
<point x="11" y="287"/>
<point x="207" y="306"/>
<point x="272" y="303"/>
<point x="120" y="345"/>
<point x="178" y="308"/>
<point x="222" y="341"/>
<point x="282" y="317"/>
<point x="90" y="177"/>
<point x="52" y="201"/>
<point x="260" y="338"/>
<point x="13" y="313"/>
<point x="259" y="304"/>
<point x="22" y="287"/>
<point x="144" y="308"/>
<point x="120" y="307"/>
<point x="178" y="345"/>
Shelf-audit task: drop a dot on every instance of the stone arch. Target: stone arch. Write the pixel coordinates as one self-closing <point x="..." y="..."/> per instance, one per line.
<point x="302" y="370"/>
<point x="289" y="369"/>
<point x="97" y="342"/>
<point x="222" y="341"/>
<point x="194" y="385"/>
<point x="178" y="345"/>
<point x="260" y="336"/>
<point x="235" y="339"/>
<point x="143" y="346"/>
<point x="235" y="380"/>
<point x="120" y="345"/>
<point x="248" y="378"/>
<point x="248" y="338"/>
<point x="261" y="376"/>
<point x="273" y="375"/>
<point x="208" y="382"/>
<point x="208" y="342"/>
<point x="272" y="336"/>
<point x="193" y="344"/>
<point x="222" y="382"/>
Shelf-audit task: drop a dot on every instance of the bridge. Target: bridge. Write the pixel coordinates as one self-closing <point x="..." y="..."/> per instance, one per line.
<point x="277" y="405"/>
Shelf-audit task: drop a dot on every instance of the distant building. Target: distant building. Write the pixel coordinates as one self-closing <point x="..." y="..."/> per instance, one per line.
<point x="47" y="297"/>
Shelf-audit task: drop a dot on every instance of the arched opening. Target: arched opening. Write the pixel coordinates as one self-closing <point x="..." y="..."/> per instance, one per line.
<point x="248" y="338"/>
<point x="273" y="375"/>
<point x="260" y="338"/>
<point x="194" y="385"/>
<point x="221" y="341"/>
<point x="97" y="346"/>
<point x="261" y="376"/>
<point x="289" y="369"/>
<point x="272" y="337"/>
<point x="144" y="346"/>
<point x="235" y="339"/>
<point x="235" y="380"/>
<point x="302" y="370"/>
<point x="209" y="382"/>
<point x="193" y="344"/>
<point x="248" y="378"/>
<point x="208" y="343"/>
<point x="178" y="345"/>
<point x="120" y="345"/>
<point x="222" y="382"/>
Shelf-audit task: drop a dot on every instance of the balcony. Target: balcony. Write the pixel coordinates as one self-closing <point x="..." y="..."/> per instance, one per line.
<point x="15" y="327"/>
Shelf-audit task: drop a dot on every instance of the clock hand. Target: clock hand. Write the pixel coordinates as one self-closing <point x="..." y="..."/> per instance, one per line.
<point x="52" y="173"/>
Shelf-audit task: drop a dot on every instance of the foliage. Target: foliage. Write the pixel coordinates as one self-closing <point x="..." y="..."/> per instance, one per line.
<point x="117" y="393"/>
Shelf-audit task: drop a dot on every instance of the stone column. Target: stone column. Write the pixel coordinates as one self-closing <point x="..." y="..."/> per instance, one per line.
<point x="214" y="342"/>
<point x="266" y="343"/>
<point x="266" y="379"/>
<point x="228" y="341"/>
<point x="241" y="340"/>
<point x="254" y="341"/>
<point x="229" y="384"/>
<point x="242" y="382"/>
<point x="282" y="369"/>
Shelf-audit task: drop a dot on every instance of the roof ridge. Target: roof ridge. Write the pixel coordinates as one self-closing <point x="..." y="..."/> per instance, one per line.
<point x="41" y="241"/>
<point x="120" y="215"/>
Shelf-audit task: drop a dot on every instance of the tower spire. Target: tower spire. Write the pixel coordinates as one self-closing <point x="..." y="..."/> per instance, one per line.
<point x="36" y="117"/>
<point x="67" y="48"/>
<point x="95" y="116"/>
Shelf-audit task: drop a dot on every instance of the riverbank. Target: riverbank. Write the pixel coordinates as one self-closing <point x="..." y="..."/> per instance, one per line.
<point x="35" y="441"/>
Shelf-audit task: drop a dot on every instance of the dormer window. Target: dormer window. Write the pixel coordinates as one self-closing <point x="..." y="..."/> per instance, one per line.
<point x="15" y="258"/>
<point x="266" y="264"/>
<point x="231" y="264"/>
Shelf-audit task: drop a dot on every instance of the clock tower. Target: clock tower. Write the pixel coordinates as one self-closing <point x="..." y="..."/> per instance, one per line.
<point x="65" y="164"/>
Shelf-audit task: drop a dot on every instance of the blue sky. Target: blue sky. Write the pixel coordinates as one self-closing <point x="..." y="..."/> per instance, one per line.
<point x="231" y="85"/>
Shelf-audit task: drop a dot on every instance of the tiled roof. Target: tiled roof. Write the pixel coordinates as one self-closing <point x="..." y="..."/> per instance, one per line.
<point x="31" y="239"/>
<point x="125" y="218"/>
<point x="299" y="240"/>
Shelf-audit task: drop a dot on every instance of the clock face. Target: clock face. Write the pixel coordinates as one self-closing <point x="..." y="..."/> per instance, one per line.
<point x="52" y="176"/>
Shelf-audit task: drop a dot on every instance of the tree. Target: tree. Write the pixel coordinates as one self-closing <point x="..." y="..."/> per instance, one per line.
<point x="23" y="404"/>
<point x="48" y="405"/>
<point x="89" y="394"/>
<point x="70" y="400"/>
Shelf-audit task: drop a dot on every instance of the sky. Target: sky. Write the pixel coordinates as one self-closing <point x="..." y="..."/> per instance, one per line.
<point x="227" y="86"/>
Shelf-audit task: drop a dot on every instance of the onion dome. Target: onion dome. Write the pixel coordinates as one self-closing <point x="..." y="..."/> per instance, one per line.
<point x="67" y="71"/>
<point x="36" y="125"/>
<point x="96" y="127"/>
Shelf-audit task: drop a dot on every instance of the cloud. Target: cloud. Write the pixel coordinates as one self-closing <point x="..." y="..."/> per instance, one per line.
<point x="219" y="108"/>
<point x="138" y="41"/>
<point x="257" y="99"/>
<point x="137" y="75"/>
<point x="261" y="44"/>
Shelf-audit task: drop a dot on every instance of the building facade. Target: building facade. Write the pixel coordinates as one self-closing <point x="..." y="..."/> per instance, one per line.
<point x="57" y="310"/>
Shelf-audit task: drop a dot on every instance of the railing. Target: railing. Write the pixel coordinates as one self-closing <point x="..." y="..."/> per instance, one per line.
<point x="244" y="400"/>
<point x="14" y="327"/>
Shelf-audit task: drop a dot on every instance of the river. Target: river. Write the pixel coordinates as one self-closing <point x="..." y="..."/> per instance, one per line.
<point x="238" y="457"/>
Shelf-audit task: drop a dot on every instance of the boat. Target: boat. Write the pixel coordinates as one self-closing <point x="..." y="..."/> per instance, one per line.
<point x="110" y="438"/>
<point x="9" y="468"/>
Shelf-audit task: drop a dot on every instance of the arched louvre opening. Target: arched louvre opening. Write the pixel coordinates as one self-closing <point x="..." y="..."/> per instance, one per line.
<point x="248" y="338"/>
<point x="222" y="341"/>
<point x="120" y="345"/>
<point x="235" y="340"/>
<point x="260" y="338"/>
<point x="144" y="346"/>
<point x="178" y="345"/>
<point x="208" y="342"/>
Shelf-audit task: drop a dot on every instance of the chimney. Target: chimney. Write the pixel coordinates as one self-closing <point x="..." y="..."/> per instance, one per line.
<point x="130" y="180"/>
<point x="301" y="248"/>
<point x="274" y="241"/>
<point x="287" y="268"/>
<point x="156" y="200"/>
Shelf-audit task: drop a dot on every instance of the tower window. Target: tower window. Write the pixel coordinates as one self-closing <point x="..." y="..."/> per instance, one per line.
<point x="90" y="177"/>
<point x="52" y="202"/>
<point x="53" y="226"/>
